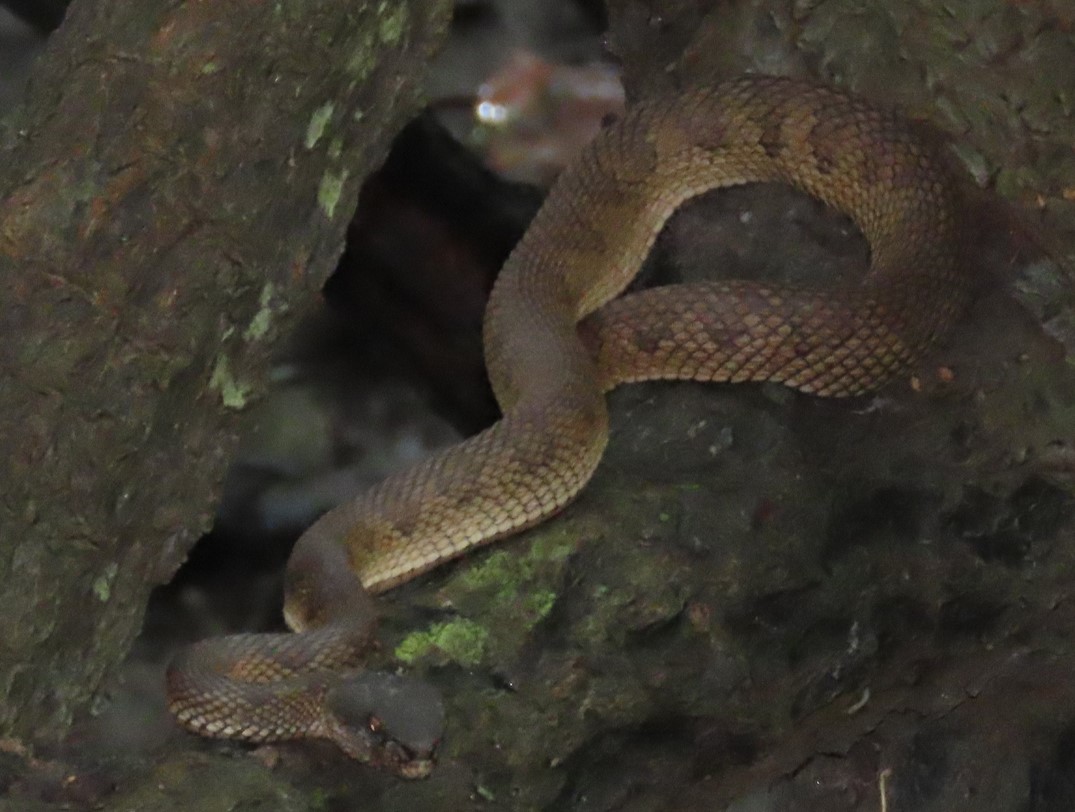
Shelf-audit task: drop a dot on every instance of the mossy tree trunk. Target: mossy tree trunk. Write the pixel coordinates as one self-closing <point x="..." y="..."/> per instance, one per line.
<point x="173" y="191"/>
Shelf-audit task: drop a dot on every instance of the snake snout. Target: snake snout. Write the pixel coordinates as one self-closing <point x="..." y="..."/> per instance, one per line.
<point x="389" y="720"/>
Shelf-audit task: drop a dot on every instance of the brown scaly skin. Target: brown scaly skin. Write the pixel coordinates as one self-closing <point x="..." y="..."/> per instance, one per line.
<point x="582" y="249"/>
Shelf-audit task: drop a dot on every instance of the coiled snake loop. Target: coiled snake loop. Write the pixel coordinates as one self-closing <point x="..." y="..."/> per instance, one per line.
<point x="582" y="249"/>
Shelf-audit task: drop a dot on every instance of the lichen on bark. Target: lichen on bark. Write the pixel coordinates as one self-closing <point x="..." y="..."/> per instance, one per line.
<point x="162" y="222"/>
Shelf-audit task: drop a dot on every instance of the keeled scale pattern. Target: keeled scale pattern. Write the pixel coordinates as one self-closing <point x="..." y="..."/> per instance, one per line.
<point x="582" y="249"/>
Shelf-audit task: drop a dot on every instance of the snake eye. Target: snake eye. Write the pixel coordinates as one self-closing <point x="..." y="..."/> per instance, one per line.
<point x="389" y="718"/>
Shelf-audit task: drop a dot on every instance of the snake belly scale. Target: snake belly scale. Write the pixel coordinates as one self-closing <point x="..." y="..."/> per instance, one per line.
<point x="556" y="339"/>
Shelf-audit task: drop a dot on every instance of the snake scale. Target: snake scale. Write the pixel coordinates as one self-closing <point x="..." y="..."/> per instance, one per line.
<point x="582" y="249"/>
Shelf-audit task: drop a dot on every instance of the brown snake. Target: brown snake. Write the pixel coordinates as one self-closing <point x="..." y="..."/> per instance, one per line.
<point x="584" y="246"/>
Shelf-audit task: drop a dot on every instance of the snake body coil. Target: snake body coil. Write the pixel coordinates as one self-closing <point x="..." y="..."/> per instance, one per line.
<point x="584" y="246"/>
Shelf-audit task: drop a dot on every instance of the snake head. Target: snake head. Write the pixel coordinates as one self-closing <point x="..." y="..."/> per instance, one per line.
<point x="386" y="720"/>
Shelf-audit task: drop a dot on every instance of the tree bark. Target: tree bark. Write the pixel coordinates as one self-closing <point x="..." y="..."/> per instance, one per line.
<point x="175" y="187"/>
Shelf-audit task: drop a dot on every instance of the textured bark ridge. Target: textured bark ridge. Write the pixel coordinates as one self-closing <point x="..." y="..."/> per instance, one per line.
<point x="175" y="187"/>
